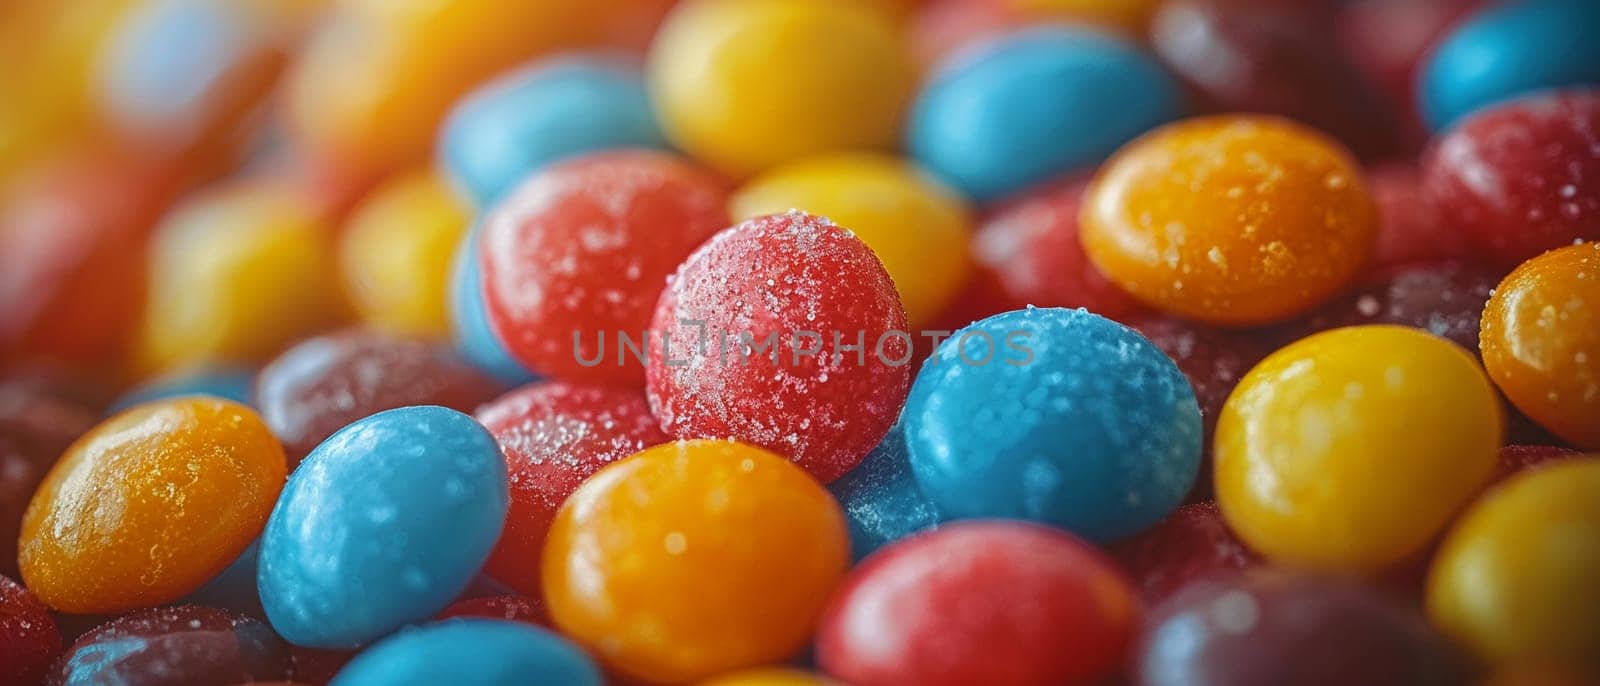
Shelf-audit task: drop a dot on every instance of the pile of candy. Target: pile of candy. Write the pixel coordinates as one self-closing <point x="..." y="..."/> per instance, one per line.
<point x="782" y="342"/>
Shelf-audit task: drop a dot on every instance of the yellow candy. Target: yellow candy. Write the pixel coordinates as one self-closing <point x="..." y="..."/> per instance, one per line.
<point x="744" y="85"/>
<point x="396" y="254"/>
<point x="1518" y="578"/>
<point x="918" y="228"/>
<point x="236" y="275"/>
<point x="775" y="676"/>
<point x="1349" y="450"/>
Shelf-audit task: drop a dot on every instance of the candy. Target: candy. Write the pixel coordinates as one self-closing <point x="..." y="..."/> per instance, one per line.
<point x="1054" y="415"/>
<point x="917" y="227"/>
<point x="1445" y="299"/>
<point x="542" y="113"/>
<point x="784" y="332"/>
<point x="1230" y="219"/>
<point x="383" y="524"/>
<point x="1516" y="459"/>
<point x="555" y="435"/>
<point x="1514" y="578"/>
<point x="1349" y="450"/>
<point x="771" y="677"/>
<point x="1035" y="105"/>
<point x="881" y="498"/>
<point x="226" y="382"/>
<point x="1274" y="628"/>
<point x="1520" y="178"/>
<point x="28" y="637"/>
<point x="980" y="602"/>
<point x="325" y="383"/>
<point x="511" y="608"/>
<point x="396" y="253"/>
<point x="1411" y="229"/>
<point x="469" y="318"/>
<point x="187" y="644"/>
<point x="471" y="652"/>
<point x="149" y="505"/>
<point x="42" y="411"/>
<point x="1506" y="51"/>
<point x="234" y="588"/>
<point x="579" y="253"/>
<point x="1541" y="341"/>
<point x="1387" y="39"/>
<point x="1193" y="543"/>
<point x="629" y="557"/>
<point x="745" y="85"/>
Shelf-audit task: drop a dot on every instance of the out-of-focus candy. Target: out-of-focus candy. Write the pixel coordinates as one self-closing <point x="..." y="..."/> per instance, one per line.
<point x="784" y="332"/>
<point x="325" y="383"/>
<point x="1058" y="416"/>
<point x="744" y="85"/>
<point x="1386" y="39"/>
<point x="187" y="644"/>
<point x="1230" y="219"/>
<point x="542" y="113"/>
<point x="234" y="588"/>
<point x="149" y="505"/>
<point x="579" y="253"/>
<point x="555" y="435"/>
<point x="1514" y="578"/>
<point x="469" y="318"/>
<point x="1193" y="543"/>
<point x="1349" y="450"/>
<point x="941" y="29"/>
<point x="42" y="411"/>
<point x="237" y="274"/>
<point x="28" y="637"/>
<point x="383" y="524"/>
<point x="1507" y="50"/>
<point x="397" y="251"/>
<point x="1521" y="178"/>
<point x="1445" y="299"/>
<point x="1411" y="229"/>
<point x="1272" y="628"/>
<point x="771" y="676"/>
<point x="471" y="652"/>
<point x="628" y="560"/>
<point x="881" y="498"/>
<point x="1035" y="105"/>
<point x="226" y="382"/>
<point x="916" y="227"/>
<point x="1541" y="341"/>
<point x="510" y="608"/>
<point x="980" y="602"/>
<point x="1516" y="459"/>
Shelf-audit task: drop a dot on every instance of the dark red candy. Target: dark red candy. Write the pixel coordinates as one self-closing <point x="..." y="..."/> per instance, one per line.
<point x="1442" y="298"/>
<point x="512" y="608"/>
<point x="1409" y="228"/>
<point x="28" y="636"/>
<point x="980" y="602"/>
<point x="1191" y="543"/>
<point x="555" y="435"/>
<point x="1265" y="629"/>
<point x="187" y="644"/>
<point x="317" y="667"/>
<point x="1522" y="177"/>
<point x="325" y="383"/>
<point x="42" y="411"/>
<point x="1387" y="38"/>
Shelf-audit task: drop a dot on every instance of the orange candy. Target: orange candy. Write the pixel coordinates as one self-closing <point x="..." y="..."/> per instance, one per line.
<point x="1233" y="220"/>
<point x="694" y="558"/>
<point x="149" y="505"/>
<point x="1541" y="341"/>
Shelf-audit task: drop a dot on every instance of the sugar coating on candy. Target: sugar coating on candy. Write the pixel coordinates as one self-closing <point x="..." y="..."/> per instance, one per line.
<point x="881" y="498"/>
<point x="28" y="636"/>
<point x="554" y="435"/>
<point x="789" y="277"/>
<point x="1192" y="543"/>
<point x="1522" y="177"/>
<point x="1445" y="299"/>
<point x="186" y="644"/>
<point x="511" y="608"/>
<point x="577" y="255"/>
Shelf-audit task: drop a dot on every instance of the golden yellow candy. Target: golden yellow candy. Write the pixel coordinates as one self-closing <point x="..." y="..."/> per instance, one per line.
<point x="236" y="275"/>
<point x="1349" y="450"/>
<point x="773" y="676"/>
<point x="396" y="254"/>
<point x="917" y="227"/>
<point x="744" y="85"/>
<point x="1518" y="578"/>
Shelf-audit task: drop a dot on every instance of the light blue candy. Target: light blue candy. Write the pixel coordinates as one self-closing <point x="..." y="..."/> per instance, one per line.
<point x="1035" y="105"/>
<point x="1510" y="50"/>
<point x="1074" y="420"/>
<point x="382" y="525"/>
<point x="543" y="113"/>
<point x="471" y="652"/>
<point x="469" y="319"/>
<point x="881" y="499"/>
<point x="229" y="383"/>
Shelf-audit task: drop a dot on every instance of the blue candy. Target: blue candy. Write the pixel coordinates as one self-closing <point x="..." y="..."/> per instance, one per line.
<point x="469" y="319"/>
<point x="1507" y="51"/>
<point x="471" y="652"/>
<point x="229" y="383"/>
<point x="543" y="113"/>
<point x="1054" y="415"/>
<point x="1035" y="105"/>
<point x="383" y="524"/>
<point x="881" y="499"/>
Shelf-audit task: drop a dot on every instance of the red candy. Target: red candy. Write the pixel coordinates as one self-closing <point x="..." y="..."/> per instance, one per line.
<point x="42" y="411"/>
<point x="28" y="636"/>
<point x="511" y="608"/>
<point x="578" y="254"/>
<point x="1443" y="298"/>
<point x="1387" y="38"/>
<point x="1192" y="543"/>
<point x="1523" y="177"/>
<point x="1410" y="229"/>
<point x="325" y="383"/>
<point x="983" y="602"/>
<point x="187" y="644"/>
<point x="555" y="435"/>
<point x="777" y="279"/>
